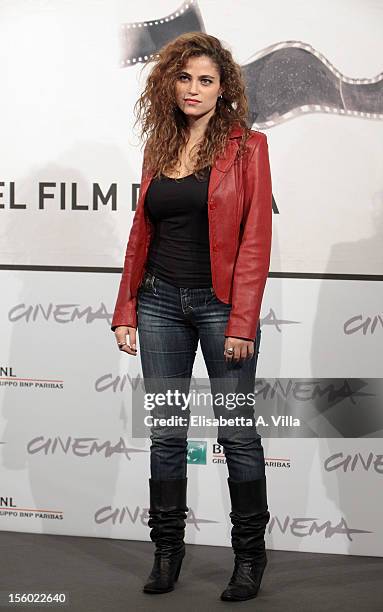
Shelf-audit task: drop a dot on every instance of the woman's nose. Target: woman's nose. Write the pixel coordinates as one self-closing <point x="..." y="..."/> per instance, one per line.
<point x="193" y="87"/>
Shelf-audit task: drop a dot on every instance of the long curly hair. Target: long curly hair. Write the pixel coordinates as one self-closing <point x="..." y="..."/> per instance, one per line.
<point x="164" y="127"/>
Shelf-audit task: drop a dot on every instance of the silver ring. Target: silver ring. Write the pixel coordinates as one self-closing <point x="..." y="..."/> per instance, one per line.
<point x="121" y="344"/>
<point x="230" y="350"/>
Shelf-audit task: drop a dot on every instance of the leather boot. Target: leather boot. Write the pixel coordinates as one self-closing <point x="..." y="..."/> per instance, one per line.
<point x="167" y="516"/>
<point x="249" y="517"/>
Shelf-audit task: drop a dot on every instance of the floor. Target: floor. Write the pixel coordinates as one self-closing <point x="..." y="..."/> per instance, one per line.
<point x="107" y="575"/>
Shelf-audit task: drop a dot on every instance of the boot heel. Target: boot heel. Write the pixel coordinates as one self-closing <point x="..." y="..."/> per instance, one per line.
<point x="167" y="517"/>
<point x="249" y="516"/>
<point x="178" y="571"/>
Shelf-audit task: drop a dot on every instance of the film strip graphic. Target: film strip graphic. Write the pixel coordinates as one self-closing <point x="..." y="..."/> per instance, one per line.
<point x="141" y="40"/>
<point x="283" y="81"/>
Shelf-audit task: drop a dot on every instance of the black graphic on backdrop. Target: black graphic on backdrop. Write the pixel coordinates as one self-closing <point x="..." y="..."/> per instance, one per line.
<point x="285" y="80"/>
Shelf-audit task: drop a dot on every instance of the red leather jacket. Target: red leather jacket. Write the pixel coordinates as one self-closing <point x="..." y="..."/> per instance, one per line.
<point x="240" y="220"/>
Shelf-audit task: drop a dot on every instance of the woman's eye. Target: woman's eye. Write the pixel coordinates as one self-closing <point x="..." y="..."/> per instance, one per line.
<point x="183" y="76"/>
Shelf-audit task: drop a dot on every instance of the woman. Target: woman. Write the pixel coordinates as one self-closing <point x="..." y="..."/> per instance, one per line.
<point x="195" y="269"/>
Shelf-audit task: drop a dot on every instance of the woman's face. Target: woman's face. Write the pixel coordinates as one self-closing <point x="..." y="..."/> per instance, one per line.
<point x="199" y="81"/>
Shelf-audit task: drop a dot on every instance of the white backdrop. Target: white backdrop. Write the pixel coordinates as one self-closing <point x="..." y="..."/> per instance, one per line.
<point x="67" y="462"/>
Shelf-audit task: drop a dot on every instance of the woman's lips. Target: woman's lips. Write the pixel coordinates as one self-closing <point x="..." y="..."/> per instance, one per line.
<point x="192" y="101"/>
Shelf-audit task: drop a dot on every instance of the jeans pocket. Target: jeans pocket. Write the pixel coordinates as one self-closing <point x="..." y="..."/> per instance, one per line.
<point x="210" y="297"/>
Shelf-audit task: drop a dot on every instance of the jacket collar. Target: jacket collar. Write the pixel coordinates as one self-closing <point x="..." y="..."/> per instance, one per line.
<point x="236" y="131"/>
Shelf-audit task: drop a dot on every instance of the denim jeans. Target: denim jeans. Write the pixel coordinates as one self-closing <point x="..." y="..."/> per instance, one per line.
<point x="171" y="320"/>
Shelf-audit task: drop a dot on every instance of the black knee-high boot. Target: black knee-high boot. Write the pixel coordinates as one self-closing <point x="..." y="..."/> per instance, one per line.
<point x="167" y="516"/>
<point x="249" y="517"/>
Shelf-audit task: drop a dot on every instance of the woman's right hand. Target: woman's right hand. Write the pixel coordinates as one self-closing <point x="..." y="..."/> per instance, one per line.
<point x="126" y="335"/>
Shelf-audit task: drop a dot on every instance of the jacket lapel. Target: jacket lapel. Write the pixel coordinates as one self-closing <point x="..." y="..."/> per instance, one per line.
<point x="223" y="163"/>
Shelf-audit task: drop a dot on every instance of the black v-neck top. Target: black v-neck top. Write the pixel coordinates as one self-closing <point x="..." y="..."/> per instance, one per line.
<point x="179" y="251"/>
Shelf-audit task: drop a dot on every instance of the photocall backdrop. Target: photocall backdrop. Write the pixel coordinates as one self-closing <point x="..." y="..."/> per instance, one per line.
<point x="69" y="179"/>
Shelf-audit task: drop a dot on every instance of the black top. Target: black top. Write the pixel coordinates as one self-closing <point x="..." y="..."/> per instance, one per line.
<point x="179" y="251"/>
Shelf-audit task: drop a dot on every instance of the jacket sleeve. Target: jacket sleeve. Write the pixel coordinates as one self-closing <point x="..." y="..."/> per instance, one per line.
<point x="253" y="260"/>
<point x="125" y="312"/>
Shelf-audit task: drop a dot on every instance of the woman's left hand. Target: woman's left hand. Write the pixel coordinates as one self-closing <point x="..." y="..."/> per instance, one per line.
<point x="243" y="349"/>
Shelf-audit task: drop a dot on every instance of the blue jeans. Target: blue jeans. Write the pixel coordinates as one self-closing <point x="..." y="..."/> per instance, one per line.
<point x="171" y="320"/>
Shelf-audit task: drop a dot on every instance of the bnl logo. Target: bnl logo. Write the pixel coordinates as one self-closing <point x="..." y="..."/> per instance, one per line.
<point x="218" y="454"/>
<point x="196" y="452"/>
<point x="7" y="502"/>
<point x="6" y="371"/>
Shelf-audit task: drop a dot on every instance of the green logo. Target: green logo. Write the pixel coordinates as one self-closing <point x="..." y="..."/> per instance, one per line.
<point x="196" y="452"/>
